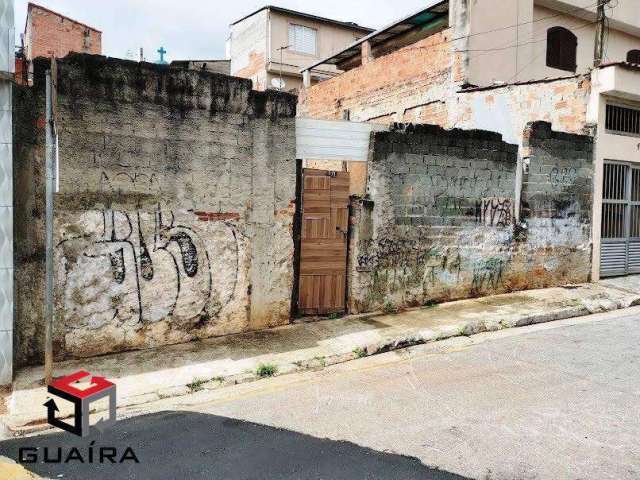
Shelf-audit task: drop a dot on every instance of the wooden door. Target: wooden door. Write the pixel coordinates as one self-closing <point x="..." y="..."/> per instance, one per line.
<point x="323" y="254"/>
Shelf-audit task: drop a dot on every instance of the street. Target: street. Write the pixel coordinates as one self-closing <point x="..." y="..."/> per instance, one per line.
<point x="552" y="401"/>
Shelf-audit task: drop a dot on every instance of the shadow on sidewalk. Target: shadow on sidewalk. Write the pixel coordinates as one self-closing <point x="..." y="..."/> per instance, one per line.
<point x="173" y="445"/>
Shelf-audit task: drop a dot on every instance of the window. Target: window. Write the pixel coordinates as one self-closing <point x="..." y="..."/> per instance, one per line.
<point x="562" y="47"/>
<point x="87" y="38"/>
<point x="633" y="56"/>
<point x="303" y="39"/>
<point x="623" y="120"/>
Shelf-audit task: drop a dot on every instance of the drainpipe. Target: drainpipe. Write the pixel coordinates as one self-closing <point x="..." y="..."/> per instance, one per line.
<point x="7" y="74"/>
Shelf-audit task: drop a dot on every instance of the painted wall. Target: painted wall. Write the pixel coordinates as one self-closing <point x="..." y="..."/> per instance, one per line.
<point x="621" y="87"/>
<point x="7" y="65"/>
<point x="332" y="38"/>
<point x="249" y="44"/>
<point x="175" y="210"/>
<point x="508" y="109"/>
<point x="515" y="54"/>
<point x="255" y="44"/>
<point x="438" y="222"/>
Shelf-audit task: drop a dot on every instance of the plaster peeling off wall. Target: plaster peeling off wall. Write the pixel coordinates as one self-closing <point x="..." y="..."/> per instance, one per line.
<point x="508" y="109"/>
<point x="439" y="219"/>
<point x="171" y="184"/>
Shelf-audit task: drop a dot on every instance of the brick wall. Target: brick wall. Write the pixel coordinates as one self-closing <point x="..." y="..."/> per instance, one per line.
<point x="508" y="109"/>
<point x="55" y="35"/>
<point x="438" y="222"/>
<point x="175" y="210"/>
<point x="395" y="87"/>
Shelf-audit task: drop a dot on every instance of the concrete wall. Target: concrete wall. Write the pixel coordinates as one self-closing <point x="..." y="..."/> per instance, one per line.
<point x="175" y="210"/>
<point x="249" y="47"/>
<point x="439" y="219"/>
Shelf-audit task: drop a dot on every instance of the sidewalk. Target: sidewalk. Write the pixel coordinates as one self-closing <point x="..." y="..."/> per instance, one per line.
<point x="146" y="376"/>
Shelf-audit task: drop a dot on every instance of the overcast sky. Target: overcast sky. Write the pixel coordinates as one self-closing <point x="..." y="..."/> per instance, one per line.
<point x="198" y="28"/>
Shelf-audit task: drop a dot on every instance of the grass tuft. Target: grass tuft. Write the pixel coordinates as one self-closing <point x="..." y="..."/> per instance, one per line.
<point x="360" y="352"/>
<point x="266" y="370"/>
<point x="196" y="385"/>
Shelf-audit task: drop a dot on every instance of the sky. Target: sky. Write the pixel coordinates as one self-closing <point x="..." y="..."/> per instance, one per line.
<point x="197" y="29"/>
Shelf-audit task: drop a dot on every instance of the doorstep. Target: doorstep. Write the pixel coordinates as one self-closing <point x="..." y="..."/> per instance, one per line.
<point x="150" y="375"/>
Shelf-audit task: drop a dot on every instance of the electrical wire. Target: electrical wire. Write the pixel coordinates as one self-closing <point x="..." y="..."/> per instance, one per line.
<point x="523" y="44"/>
<point x="568" y="12"/>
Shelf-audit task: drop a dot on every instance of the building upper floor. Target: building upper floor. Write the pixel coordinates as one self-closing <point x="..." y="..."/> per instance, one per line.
<point x="498" y="42"/>
<point x="51" y="34"/>
<point x="523" y="40"/>
<point x="271" y="45"/>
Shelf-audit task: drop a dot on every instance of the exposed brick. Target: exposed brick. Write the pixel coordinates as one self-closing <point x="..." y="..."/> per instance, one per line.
<point x="53" y="35"/>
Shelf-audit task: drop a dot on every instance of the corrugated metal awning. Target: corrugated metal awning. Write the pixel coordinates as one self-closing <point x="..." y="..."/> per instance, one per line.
<point x="334" y="139"/>
<point x="435" y="10"/>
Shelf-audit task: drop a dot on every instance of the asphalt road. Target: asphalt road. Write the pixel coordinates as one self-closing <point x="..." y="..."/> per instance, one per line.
<point x="554" y="401"/>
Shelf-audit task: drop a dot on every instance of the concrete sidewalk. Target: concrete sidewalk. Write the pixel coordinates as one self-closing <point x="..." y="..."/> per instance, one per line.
<point x="150" y="375"/>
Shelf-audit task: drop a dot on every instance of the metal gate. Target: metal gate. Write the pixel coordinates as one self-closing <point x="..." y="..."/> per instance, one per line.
<point x="620" y="252"/>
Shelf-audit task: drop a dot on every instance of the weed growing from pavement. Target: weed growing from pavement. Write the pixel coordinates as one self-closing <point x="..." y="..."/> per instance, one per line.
<point x="266" y="370"/>
<point x="360" y="352"/>
<point x="389" y="307"/>
<point x="196" y="385"/>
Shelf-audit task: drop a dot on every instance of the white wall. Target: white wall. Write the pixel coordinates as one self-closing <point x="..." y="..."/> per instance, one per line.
<point x="7" y="66"/>
<point x="248" y="48"/>
<point x="611" y="84"/>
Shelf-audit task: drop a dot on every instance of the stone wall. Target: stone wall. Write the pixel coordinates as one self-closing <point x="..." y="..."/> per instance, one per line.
<point x="175" y="211"/>
<point x="438" y="222"/>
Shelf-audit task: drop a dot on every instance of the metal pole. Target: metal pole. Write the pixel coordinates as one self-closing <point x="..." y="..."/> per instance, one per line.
<point x="598" y="52"/>
<point x="50" y="188"/>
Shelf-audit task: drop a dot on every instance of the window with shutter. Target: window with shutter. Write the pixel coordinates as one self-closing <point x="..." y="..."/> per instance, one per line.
<point x="303" y="39"/>
<point x="633" y="56"/>
<point x="562" y="48"/>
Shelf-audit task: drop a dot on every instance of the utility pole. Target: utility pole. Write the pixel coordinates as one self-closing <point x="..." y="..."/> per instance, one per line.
<point x="598" y="54"/>
<point x="282" y="49"/>
<point x="51" y="187"/>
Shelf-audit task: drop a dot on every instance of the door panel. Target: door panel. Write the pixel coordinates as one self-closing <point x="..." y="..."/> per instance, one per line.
<point x="620" y="251"/>
<point x="323" y="255"/>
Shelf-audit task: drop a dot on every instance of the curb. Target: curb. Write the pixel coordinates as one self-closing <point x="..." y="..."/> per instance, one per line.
<point x="463" y="329"/>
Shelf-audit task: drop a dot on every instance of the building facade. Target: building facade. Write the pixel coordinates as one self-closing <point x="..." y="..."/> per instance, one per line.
<point x="272" y="45"/>
<point x="456" y="65"/>
<point x="51" y="34"/>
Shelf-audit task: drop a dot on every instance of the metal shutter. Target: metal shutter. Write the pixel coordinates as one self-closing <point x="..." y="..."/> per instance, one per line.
<point x="620" y="251"/>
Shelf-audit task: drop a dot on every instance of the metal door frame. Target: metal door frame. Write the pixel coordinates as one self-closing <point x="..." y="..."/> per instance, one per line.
<point x="630" y="205"/>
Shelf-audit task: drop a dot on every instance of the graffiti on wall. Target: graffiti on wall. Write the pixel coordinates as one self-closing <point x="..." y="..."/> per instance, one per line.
<point x="495" y="212"/>
<point x="142" y="266"/>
